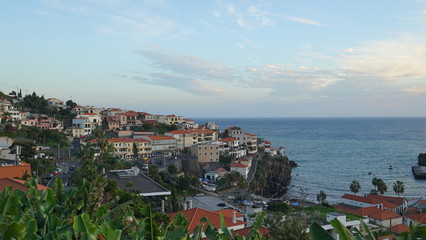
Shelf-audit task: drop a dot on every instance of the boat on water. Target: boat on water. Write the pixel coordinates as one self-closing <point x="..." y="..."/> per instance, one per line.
<point x="390" y="167"/>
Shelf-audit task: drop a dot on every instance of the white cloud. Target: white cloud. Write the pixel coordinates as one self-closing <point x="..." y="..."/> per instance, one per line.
<point x="304" y="21"/>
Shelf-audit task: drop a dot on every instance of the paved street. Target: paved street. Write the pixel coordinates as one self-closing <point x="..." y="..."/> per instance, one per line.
<point x="208" y="202"/>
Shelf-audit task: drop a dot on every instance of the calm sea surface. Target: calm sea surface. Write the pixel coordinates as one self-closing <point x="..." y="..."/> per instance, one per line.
<point x="332" y="152"/>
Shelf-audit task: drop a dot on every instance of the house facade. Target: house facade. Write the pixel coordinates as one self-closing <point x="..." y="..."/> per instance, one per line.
<point x="206" y="152"/>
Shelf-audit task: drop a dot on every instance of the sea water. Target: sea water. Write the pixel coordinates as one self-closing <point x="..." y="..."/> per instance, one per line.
<point x="332" y="152"/>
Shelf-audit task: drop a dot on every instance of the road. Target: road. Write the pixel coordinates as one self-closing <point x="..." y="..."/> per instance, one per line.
<point x="209" y="203"/>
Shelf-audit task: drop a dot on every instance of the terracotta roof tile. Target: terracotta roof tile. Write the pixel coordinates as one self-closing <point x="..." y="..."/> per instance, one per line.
<point x="239" y="165"/>
<point x="194" y="216"/>
<point x="117" y="140"/>
<point x="249" y="134"/>
<point x="421" y="218"/>
<point x="228" y="139"/>
<point x="384" y="215"/>
<point x="17" y="184"/>
<point x="154" y="138"/>
<point x="400" y="228"/>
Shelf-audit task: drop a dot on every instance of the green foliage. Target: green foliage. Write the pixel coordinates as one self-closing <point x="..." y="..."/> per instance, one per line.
<point x="27" y="149"/>
<point x="159" y="128"/>
<point x="278" y="207"/>
<point x="380" y="186"/>
<point x="355" y="186"/>
<point x="288" y="227"/>
<point x="322" y="198"/>
<point x="398" y="187"/>
<point x="172" y="169"/>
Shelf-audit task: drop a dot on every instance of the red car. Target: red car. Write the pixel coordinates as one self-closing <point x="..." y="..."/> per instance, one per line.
<point x="56" y="173"/>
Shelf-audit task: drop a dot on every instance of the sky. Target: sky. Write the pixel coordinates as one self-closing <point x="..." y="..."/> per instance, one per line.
<point x="220" y="58"/>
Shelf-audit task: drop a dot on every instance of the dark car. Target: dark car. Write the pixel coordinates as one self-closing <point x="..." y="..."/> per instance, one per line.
<point x="72" y="168"/>
<point x="221" y="204"/>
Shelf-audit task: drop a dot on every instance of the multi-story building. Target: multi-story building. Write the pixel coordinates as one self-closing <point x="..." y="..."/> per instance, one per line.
<point x="184" y="138"/>
<point x="81" y="127"/>
<point x="246" y="139"/>
<point x="124" y="147"/>
<point x="170" y="119"/>
<point x="206" y="152"/>
<point x="161" y="145"/>
<point x="54" y="102"/>
<point x="128" y="118"/>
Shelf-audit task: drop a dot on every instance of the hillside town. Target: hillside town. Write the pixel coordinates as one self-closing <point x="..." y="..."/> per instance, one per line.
<point x="182" y="170"/>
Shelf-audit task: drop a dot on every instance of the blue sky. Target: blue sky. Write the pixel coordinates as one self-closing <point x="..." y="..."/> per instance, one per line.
<point x="220" y="58"/>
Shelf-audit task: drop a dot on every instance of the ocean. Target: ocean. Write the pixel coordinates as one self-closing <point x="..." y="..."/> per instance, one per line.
<point x="331" y="152"/>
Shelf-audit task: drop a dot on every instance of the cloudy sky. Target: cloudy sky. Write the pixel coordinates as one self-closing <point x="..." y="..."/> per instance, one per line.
<point x="220" y="58"/>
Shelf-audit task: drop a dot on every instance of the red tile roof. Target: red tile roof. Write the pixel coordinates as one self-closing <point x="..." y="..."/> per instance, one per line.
<point x="221" y="170"/>
<point x="179" y="132"/>
<point x="361" y="199"/>
<point x="228" y="139"/>
<point x="15" y="170"/>
<point x="421" y="218"/>
<point x="249" y="134"/>
<point x="363" y="212"/>
<point x="387" y="201"/>
<point x="17" y="184"/>
<point x="239" y="165"/>
<point x="129" y="114"/>
<point x="116" y="140"/>
<point x="154" y="138"/>
<point x="194" y="216"/>
<point x="400" y="228"/>
<point x="384" y="215"/>
<point x="228" y="213"/>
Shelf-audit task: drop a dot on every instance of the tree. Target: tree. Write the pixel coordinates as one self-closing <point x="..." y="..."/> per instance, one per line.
<point x="278" y="207"/>
<point x="135" y="151"/>
<point x="355" y="186"/>
<point x="172" y="169"/>
<point x="382" y="187"/>
<point x="288" y="227"/>
<point x="321" y="198"/>
<point x="375" y="181"/>
<point x="398" y="187"/>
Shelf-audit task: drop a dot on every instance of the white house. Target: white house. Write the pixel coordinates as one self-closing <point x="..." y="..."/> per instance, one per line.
<point x="241" y="168"/>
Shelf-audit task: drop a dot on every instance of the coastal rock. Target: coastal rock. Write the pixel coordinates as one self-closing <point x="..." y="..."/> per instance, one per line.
<point x="422" y="159"/>
<point x="272" y="176"/>
<point x="293" y="164"/>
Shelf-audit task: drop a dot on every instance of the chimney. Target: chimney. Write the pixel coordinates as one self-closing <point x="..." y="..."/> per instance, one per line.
<point x="189" y="204"/>
<point x="234" y="217"/>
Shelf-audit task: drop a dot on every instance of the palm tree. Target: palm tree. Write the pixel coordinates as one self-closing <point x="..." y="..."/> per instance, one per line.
<point x="355" y="186"/>
<point x="382" y="187"/>
<point x="375" y="182"/>
<point x="398" y="187"/>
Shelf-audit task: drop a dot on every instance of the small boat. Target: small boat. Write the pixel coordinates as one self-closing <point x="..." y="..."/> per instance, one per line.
<point x="369" y="173"/>
<point x="390" y="167"/>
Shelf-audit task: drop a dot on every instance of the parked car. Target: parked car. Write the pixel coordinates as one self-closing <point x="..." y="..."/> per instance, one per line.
<point x="72" y="168"/>
<point x="199" y="194"/>
<point x="56" y="173"/>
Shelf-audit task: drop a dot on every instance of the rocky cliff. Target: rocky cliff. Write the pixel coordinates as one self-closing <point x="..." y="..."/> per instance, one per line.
<point x="422" y="159"/>
<point x="273" y="175"/>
